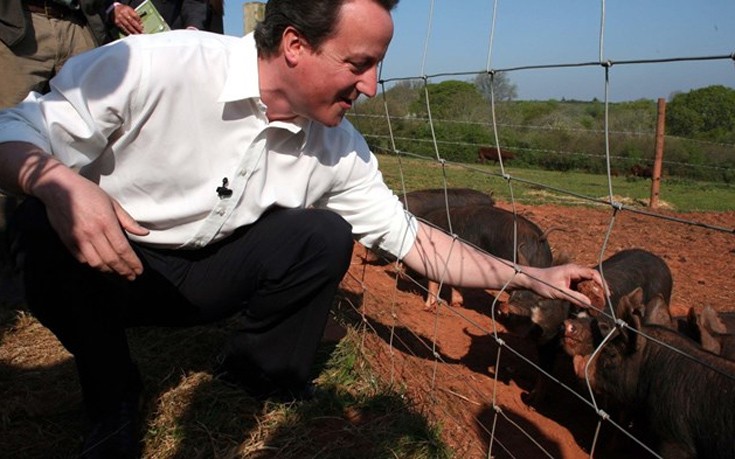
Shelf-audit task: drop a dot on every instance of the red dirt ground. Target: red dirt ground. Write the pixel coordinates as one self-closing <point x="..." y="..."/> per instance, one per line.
<point x="448" y="360"/>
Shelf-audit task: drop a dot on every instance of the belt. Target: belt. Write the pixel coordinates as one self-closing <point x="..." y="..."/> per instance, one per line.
<point x="51" y="9"/>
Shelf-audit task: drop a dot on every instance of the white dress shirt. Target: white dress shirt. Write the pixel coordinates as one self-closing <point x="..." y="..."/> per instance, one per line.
<point x="158" y="121"/>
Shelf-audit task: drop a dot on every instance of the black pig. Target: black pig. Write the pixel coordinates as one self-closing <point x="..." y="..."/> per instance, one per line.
<point x="542" y="320"/>
<point x="632" y="268"/>
<point x="623" y="272"/>
<point x="685" y="395"/>
<point x="421" y="202"/>
<point x="492" y="230"/>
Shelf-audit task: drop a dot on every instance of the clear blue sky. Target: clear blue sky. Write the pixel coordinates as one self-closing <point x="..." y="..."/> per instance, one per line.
<point x="543" y="32"/>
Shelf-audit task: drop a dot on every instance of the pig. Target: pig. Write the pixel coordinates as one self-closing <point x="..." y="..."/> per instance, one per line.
<point x="542" y="320"/>
<point x="491" y="229"/>
<point x="419" y="202"/>
<point x="629" y="269"/>
<point x="640" y="170"/>
<point x="685" y="395"/>
<point x="485" y="154"/>
<point x="623" y="272"/>
<point x="582" y="335"/>
<point x="714" y="331"/>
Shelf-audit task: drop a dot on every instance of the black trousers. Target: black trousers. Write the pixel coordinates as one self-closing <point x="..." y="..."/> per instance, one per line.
<point x="281" y="273"/>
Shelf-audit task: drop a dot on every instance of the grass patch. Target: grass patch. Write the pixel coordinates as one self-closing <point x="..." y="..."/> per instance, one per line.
<point x="535" y="186"/>
<point x="189" y="413"/>
<point x="356" y="417"/>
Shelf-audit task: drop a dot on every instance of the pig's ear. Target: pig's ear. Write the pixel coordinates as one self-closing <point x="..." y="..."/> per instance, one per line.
<point x="632" y="303"/>
<point x="711" y="321"/>
<point x="709" y="326"/>
<point x="709" y="342"/>
<point x="657" y="312"/>
<point x="635" y="339"/>
<point x="631" y="314"/>
<point x="522" y="260"/>
<point x="636" y="302"/>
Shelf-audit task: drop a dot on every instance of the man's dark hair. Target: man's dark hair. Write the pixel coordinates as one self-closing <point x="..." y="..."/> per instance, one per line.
<point x="314" y="19"/>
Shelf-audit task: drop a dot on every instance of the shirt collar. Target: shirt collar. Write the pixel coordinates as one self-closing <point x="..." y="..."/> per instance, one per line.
<point x="242" y="76"/>
<point x="242" y="83"/>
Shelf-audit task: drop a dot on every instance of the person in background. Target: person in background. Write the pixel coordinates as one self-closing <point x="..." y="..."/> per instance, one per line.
<point x="215" y="16"/>
<point x="179" y="14"/>
<point x="181" y="178"/>
<point x="38" y="36"/>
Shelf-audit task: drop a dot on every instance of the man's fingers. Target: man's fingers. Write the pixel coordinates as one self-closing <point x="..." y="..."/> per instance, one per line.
<point x="128" y="20"/>
<point x="87" y="253"/>
<point x="124" y="260"/>
<point x="114" y="248"/>
<point x="107" y="257"/>
<point x="108" y="253"/>
<point x="127" y="222"/>
<point x="578" y="298"/>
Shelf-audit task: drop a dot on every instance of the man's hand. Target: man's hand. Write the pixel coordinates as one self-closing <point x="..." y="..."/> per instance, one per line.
<point x="557" y="282"/>
<point x="126" y="19"/>
<point x="88" y="221"/>
<point x="91" y="224"/>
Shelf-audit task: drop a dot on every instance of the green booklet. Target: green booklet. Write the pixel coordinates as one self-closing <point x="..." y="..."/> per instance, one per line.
<point x="153" y="22"/>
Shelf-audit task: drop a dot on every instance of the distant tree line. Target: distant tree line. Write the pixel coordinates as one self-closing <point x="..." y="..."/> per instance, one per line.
<point x="704" y="114"/>
<point x="553" y="134"/>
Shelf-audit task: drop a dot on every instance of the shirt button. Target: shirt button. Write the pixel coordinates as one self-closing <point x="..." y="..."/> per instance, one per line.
<point x="221" y="212"/>
<point x="243" y="172"/>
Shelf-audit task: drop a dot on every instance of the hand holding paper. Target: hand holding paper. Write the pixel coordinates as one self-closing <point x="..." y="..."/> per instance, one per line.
<point x="148" y="20"/>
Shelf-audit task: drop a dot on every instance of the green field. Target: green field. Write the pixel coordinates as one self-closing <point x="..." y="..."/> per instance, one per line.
<point x="533" y="186"/>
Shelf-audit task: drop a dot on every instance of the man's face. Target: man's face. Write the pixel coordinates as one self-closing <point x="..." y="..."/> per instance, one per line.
<point x="346" y="65"/>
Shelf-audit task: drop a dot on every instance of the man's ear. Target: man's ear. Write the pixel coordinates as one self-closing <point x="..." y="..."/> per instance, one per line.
<point x="293" y="44"/>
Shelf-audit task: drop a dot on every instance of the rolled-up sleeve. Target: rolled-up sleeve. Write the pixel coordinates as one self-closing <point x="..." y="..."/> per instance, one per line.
<point x="378" y="218"/>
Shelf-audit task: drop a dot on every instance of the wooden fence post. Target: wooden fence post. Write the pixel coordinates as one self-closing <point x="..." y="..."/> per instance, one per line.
<point x="253" y="12"/>
<point x="659" y="155"/>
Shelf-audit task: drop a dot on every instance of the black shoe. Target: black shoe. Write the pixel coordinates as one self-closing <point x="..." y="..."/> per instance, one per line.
<point x="259" y="386"/>
<point x="114" y="434"/>
<point x="305" y="392"/>
<point x="299" y="393"/>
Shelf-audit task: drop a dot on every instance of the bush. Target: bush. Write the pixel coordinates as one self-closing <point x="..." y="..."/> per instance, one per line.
<point x="561" y="135"/>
